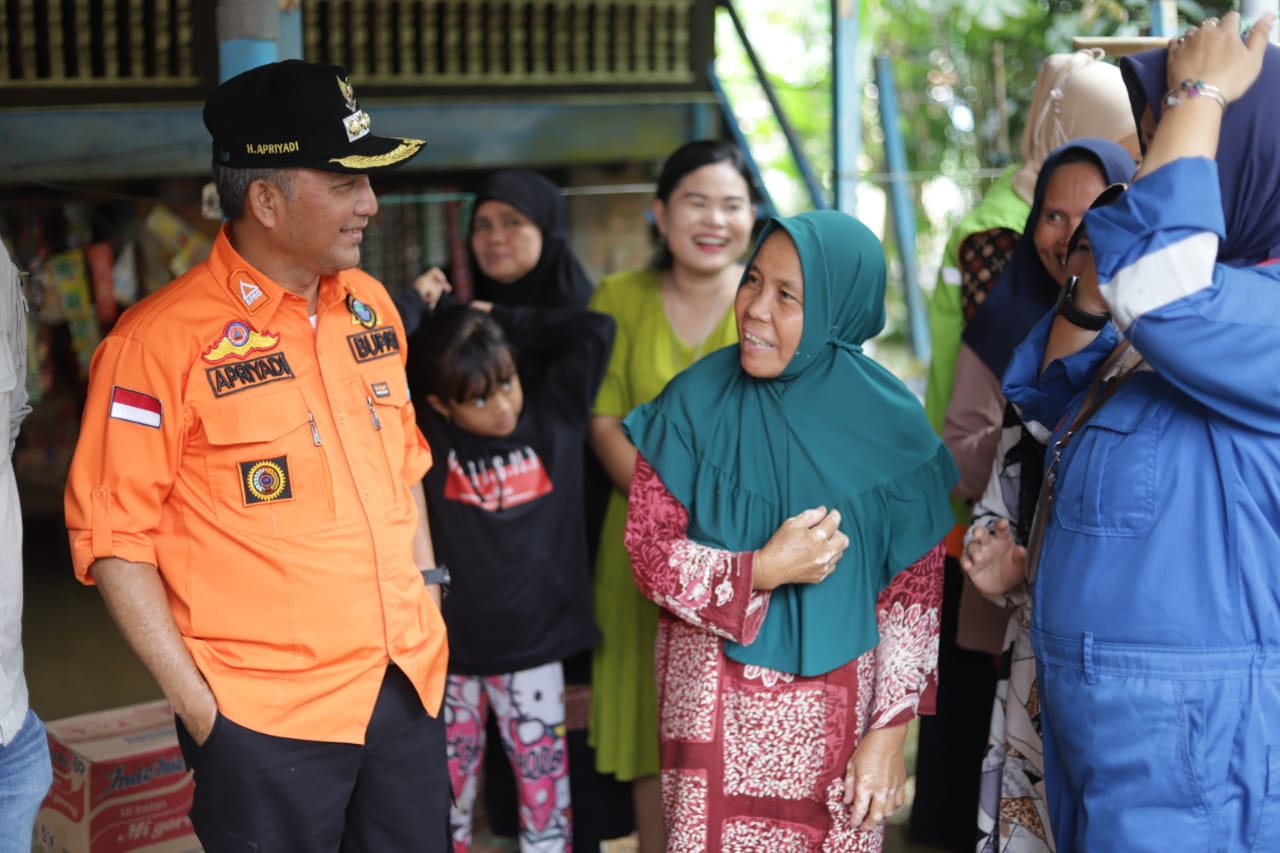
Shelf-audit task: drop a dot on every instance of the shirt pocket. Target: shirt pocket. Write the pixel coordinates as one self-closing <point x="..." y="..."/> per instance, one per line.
<point x="267" y="468"/>
<point x="384" y="396"/>
<point x="1108" y="483"/>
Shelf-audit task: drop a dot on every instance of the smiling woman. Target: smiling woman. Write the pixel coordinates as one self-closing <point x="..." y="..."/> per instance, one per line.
<point x="770" y="308"/>
<point x="800" y="590"/>
<point x="669" y="316"/>
<point x="1072" y="177"/>
<point x="519" y="248"/>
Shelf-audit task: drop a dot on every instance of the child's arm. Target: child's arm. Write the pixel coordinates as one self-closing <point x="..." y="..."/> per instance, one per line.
<point x="573" y="344"/>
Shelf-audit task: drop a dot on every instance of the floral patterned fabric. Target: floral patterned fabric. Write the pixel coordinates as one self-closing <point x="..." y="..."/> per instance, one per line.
<point x="1013" y="815"/>
<point x="983" y="256"/>
<point x="753" y="759"/>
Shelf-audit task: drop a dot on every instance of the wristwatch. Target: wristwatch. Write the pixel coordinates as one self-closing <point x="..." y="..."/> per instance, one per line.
<point x="438" y="575"/>
<point x="1068" y="311"/>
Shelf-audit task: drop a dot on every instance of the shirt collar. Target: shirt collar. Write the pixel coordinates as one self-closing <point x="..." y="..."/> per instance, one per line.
<point x="257" y="296"/>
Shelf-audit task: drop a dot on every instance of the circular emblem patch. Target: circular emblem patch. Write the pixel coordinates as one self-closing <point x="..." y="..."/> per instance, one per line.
<point x="361" y="313"/>
<point x="266" y="481"/>
<point x="237" y="333"/>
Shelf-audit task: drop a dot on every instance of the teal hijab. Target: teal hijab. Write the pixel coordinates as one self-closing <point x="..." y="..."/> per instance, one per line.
<point x="834" y="429"/>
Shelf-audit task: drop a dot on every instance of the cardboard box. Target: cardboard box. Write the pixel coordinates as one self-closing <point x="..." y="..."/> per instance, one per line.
<point x="119" y="784"/>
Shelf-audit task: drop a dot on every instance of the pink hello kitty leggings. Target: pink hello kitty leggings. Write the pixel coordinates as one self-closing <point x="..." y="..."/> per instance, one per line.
<point x="530" y="710"/>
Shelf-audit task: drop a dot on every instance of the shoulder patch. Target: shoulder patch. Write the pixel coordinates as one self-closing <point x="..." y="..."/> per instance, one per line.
<point x="361" y="313"/>
<point x="135" y="407"/>
<point x="249" y="292"/>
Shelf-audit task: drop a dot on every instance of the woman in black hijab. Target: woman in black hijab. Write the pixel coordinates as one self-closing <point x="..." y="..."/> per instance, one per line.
<point x="515" y="209"/>
<point x="517" y="249"/>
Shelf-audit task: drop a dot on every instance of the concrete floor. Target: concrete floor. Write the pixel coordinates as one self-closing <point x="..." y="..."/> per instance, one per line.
<point x="77" y="662"/>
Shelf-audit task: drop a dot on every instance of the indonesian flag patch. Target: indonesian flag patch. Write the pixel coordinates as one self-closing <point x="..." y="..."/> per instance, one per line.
<point x="135" y="407"/>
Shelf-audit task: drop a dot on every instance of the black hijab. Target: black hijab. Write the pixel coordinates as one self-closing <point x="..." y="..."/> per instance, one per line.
<point x="1026" y="290"/>
<point x="558" y="280"/>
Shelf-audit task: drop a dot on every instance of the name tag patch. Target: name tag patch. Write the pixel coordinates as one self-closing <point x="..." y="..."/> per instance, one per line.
<point x="266" y="480"/>
<point x="375" y="343"/>
<point x="230" y="378"/>
<point x="381" y="389"/>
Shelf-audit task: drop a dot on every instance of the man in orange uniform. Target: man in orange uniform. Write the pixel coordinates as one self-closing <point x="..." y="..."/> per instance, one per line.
<point x="246" y="494"/>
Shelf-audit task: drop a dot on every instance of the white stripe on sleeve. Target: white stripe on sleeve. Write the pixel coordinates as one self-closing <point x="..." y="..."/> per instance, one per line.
<point x="1161" y="277"/>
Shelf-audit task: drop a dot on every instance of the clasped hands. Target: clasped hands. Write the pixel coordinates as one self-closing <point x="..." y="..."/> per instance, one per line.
<point x="805" y="549"/>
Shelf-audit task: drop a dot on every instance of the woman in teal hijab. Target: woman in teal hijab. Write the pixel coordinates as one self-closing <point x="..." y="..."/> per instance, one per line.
<point x="786" y="513"/>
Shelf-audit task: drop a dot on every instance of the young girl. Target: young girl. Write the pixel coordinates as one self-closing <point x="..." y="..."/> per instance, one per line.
<point x="506" y="513"/>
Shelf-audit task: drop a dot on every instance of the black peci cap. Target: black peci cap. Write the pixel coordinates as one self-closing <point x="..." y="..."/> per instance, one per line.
<point x="296" y="114"/>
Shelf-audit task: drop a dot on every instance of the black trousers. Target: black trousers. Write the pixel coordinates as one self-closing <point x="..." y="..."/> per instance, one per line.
<point x="949" y="755"/>
<point x="256" y="792"/>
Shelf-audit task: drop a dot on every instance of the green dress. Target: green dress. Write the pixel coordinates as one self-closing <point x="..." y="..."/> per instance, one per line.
<point x="646" y="355"/>
<point x="1001" y="207"/>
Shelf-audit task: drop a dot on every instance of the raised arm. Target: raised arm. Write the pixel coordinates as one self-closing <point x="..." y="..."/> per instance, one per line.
<point x="1157" y="248"/>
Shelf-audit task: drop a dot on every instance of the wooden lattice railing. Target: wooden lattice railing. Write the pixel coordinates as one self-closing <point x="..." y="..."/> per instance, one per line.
<point x="505" y="43"/>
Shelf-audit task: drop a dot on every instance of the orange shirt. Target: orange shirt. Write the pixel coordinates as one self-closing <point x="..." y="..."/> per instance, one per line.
<point x="265" y="468"/>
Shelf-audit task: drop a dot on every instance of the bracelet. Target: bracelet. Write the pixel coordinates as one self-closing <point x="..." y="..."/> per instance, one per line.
<point x="1194" y="89"/>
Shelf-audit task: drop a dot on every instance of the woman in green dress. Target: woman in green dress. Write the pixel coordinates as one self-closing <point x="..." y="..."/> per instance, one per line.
<point x="669" y="315"/>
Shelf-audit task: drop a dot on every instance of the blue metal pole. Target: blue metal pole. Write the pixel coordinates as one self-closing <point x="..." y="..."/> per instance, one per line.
<point x="290" y="44"/>
<point x="248" y="35"/>
<point x="701" y="117"/>
<point x="904" y="212"/>
<point x="816" y="194"/>
<point x="1164" y="18"/>
<point x="846" y="124"/>
<point x="740" y="139"/>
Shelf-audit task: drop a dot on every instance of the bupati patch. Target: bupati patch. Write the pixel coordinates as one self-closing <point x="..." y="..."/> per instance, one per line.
<point x="230" y="378"/>
<point x="361" y="314"/>
<point x="381" y="389"/>
<point x="266" y="480"/>
<point x="135" y="407"/>
<point x="375" y="343"/>
<point x="240" y="340"/>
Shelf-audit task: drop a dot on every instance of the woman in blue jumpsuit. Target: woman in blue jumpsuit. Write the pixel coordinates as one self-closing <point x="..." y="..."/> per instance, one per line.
<point x="1156" y="605"/>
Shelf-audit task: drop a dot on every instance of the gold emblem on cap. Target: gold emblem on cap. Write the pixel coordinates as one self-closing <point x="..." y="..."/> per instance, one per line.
<point x="406" y="149"/>
<point x="357" y="124"/>
<point x="348" y="94"/>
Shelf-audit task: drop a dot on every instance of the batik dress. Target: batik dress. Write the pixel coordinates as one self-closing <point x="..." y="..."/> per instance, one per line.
<point x="1013" y="815"/>
<point x="754" y="759"/>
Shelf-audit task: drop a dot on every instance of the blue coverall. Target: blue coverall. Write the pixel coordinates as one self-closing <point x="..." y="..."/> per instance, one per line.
<point x="1156" y="609"/>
